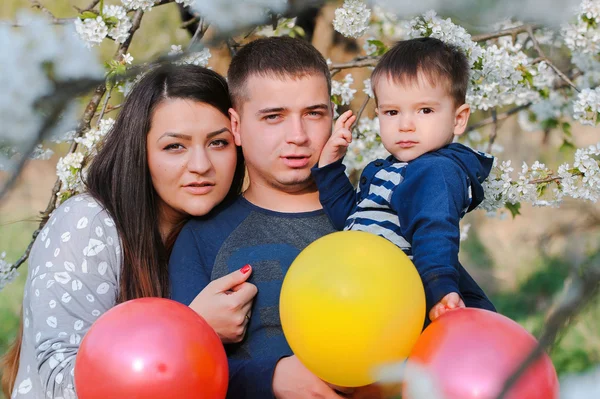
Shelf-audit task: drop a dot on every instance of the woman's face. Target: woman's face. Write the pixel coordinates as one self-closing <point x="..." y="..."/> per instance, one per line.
<point x="191" y="156"/>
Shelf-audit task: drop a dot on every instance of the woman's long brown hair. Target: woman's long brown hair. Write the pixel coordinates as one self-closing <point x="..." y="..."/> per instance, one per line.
<point x="119" y="178"/>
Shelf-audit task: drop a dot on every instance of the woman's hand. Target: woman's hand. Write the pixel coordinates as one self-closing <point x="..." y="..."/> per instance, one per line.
<point x="225" y="304"/>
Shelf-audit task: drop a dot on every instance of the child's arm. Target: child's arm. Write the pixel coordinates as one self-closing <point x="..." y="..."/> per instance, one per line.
<point x="340" y="139"/>
<point x="336" y="193"/>
<point x="429" y="203"/>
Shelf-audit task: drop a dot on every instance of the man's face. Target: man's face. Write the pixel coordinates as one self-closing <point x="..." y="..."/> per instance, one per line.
<point x="282" y="126"/>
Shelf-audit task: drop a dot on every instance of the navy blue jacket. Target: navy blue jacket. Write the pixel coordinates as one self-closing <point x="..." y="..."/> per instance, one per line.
<point x="417" y="205"/>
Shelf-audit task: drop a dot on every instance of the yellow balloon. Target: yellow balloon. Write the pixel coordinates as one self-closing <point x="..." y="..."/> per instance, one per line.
<point x="350" y="302"/>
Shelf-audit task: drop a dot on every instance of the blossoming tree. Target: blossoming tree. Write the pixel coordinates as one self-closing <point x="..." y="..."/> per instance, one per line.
<point x="53" y="61"/>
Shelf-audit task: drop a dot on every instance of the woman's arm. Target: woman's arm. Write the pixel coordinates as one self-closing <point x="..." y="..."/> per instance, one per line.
<point x="73" y="280"/>
<point x="224" y="303"/>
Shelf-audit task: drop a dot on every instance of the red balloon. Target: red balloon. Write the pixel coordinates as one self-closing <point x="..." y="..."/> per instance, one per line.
<point x="151" y="348"/>
<point x="471" y="352"/>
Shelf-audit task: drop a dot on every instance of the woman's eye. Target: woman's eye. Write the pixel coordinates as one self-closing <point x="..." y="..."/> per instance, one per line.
<point x="219" y="143"/>
<point x="426" y="111"/>
<point x="173" y="146"/>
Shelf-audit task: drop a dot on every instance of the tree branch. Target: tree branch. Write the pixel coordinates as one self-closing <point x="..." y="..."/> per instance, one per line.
<point x="58" y="21"/>
<point x="543" y="57"/>
<point x="505" y="32"/>
<point x="84" y="125"/>
<point x="494" y="133"/>
<point x="360" y="112"/>
<point x="499" y="117"/>
<point x="580" y="293"/>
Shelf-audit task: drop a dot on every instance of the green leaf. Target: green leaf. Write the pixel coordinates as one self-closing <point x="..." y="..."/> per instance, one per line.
<point x="549" y="124"/>
<point x="566" y="128"/>
<point x="567" y="146"/>
<point x="513" y="208"/>
<point x="88" y="15"/>
<point x="111" y="22"/>
<point x="381" y="47"/>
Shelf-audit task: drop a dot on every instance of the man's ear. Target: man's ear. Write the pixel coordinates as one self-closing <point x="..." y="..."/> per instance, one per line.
<point x="234" y="117"/>
<point x="461" y="118"/>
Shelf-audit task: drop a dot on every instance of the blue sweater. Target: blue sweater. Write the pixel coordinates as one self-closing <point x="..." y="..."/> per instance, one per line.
<point x="416" y="205"/>
<point x="230" y="237"/>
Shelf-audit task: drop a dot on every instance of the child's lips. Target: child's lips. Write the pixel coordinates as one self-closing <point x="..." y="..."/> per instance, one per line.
<point x="407" y="143"/>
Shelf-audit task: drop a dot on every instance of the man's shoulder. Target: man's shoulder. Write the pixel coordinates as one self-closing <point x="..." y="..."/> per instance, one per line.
<point x="219" y="222"/>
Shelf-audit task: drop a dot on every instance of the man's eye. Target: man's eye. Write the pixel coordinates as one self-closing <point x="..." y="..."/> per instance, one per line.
<point x="273" y="117"/>
<point x="315" y="113"/>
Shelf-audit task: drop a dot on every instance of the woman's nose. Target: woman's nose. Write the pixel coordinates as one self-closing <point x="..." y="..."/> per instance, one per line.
<point x="199" y="162"/>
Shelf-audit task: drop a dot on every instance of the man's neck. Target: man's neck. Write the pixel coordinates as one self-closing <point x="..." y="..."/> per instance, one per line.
<point x="278" y="200"/>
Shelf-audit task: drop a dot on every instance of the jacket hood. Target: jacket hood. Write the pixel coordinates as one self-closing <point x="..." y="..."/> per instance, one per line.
<point x="477" y="165"/>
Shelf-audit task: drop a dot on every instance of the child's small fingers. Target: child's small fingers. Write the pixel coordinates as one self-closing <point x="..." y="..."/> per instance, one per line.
<point x="349" y="122"/>
<point x="341" y="121"/>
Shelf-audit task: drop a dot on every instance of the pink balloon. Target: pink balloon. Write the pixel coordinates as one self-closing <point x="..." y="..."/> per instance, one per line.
<point x="151" y="348"/>
<point x="471" y="352"/>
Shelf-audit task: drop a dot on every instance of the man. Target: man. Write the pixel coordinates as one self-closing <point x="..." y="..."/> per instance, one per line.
<point x="282" y="118"/>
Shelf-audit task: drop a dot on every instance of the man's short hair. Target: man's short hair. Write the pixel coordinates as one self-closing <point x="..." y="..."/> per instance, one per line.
<point x="279" y="57"/>
<point x="439" y="62"/>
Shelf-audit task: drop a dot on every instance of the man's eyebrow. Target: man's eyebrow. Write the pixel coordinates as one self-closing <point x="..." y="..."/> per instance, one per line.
<point x="271" y="110"/>
<point x="317" y="106"/>
<point x="176" y="135"/>
<point x="217" y="132"/>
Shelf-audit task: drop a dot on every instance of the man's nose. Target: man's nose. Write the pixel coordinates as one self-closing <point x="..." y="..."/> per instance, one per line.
<point x="297" y="132"/>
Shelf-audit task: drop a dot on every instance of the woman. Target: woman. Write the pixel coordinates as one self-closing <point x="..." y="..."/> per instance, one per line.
<point x="169" y="155"/>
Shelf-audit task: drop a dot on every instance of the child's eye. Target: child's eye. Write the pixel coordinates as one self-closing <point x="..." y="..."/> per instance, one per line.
<point x="173" y="147"/>
<point x="391" y="113"/>
<point x="426" y="111"/>
<point x="219" y="143"/>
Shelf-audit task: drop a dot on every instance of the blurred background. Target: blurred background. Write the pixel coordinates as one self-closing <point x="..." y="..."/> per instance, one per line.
<point x="522" y="262"/>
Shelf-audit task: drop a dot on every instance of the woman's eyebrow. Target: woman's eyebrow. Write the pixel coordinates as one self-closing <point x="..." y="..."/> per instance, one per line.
<point x="176" y="135"/>
<point x="217" y="132"/>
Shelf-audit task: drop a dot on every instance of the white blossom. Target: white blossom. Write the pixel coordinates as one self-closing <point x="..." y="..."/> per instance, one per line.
<point x="231" y="14"/>
<point x="7" y="274"/>
<point x="68" y="170"/>
<point x="368" y="90"/>
<point x="91" y="30"/>
<point x="365" y="146"/>
<point x="464" y="232"/>
<point x="25" y="63"/>
<point x="582" y="386"/>
<point x="94" y="135"/>
<point x="145" y="5"/>
<point x="343" y="89"/>
<point x="186" y="3"/>
<point x="552" y="108"/>
<point x="352" y="19"/>
<point x="41" y="153"/>
<point x="196" y="58"/>
<point x="583" y="35"/>
<point x="586" y="109"/>
<point x="387" y="25"/>
<point x="285" y="27"/>
<point x="120" y="32"/>
<point x="127" y="59"/>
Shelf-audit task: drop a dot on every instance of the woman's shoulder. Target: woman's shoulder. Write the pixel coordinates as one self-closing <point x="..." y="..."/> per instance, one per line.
<point x="82" y="210"/>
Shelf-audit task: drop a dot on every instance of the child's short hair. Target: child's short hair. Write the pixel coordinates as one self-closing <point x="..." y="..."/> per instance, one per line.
<point x="439" y="62"/>
<point x="280" y="57"/>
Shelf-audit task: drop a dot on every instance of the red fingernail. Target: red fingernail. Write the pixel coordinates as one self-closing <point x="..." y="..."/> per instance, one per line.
<point x="245" y="269"/>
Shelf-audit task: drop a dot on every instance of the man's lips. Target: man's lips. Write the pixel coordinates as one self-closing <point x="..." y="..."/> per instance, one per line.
<point x="296" y="161"/>
<point x="199" y="188"/>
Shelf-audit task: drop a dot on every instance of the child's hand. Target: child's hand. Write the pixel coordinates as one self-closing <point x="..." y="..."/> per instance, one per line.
<point x="449" y="302"/>
<point x="336" y="146"/>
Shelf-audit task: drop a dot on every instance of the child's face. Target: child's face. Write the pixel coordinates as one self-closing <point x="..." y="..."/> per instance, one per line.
<point x="416" y="117"/>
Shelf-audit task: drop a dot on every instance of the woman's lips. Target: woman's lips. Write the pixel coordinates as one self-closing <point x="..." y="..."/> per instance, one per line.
<point x="199" y="189"/>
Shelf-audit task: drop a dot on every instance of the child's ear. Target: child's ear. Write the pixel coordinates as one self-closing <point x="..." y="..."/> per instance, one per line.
<point x="461" y="118"/>
<point x="234" y="117"/>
